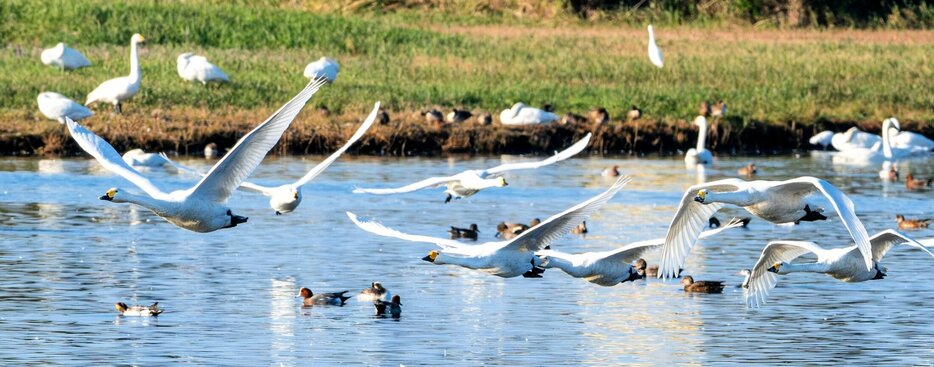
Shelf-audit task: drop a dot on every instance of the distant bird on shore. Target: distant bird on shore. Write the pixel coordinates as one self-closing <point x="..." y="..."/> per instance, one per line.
<point x="56" y="107"/>
<point x="571" y="118"/>
<point x="64" y="57"/>
<point x="749" y="170"/>
<point x="458" y="116"/>
<point x="904" y="223"/>
<point x="194" y="68"/>
<point x="117" y="90"/>
<point x="701" y="286"/>
<point x="142" y="311"/>
<point x="912" y="183"/>
<point x="598" y="116"/>
<point x="382" y="117"/>
<point x="611" y="172"/>
<point x="139" y="158"/>
<point x="634" y="113"/>
<point x="655" y="53"/>
<point x="433" y="116"/>
<point x="718" y="109"/>
<point x="699" y="154"/>
<point x="325" y="67"/>
<point x="485" y="119"/>
<point x="322" y="299"/>
<point x="520" y="114"/>
<point x="211" y="151"/>
<point x="469" y="233"/>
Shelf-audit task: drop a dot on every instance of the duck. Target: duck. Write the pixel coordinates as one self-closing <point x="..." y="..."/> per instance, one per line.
<point x="382" y="117"/>
<point x="506" y="259"/>
<point x="324" y="67"/>
<point x="376" y="292"/>
<point x="433" y="116"/>
<point x="778" y="202"/>
<point x="117" y="90"/>
<point x="468" y="233"/>
<point x="63" y="57"/>
<point x="470" y="182"/>
<point x="843" y="263"/>
<point x="598" y="116"/>
<point x="457" y="116"/>
<point x="700" y="154"/>
<point x="749" y="171"/>
<point x="571" y="118"/>
<point x="322" y="299"/>
<point x="393" y="308"/>
<point x="611" y="171"/>
<point x="139" y="158"/>
<point x="196" y="68"/>
<point x="633" y="114"/>
<point x="520" y="114"/>
<point x="580" y="229"/>
<point x="56" y="107"/>
<point x="143" y="311"/>
<point x="718" y="110"/>
<point x="912" y="183"/>
<point x="508" y="231"/>
<point x="485" y="119"/>
<point x="701" y="286"/>
<point x="655" y="53"/>
<point x="211" y="151"/>
<point x="904" y="223"/>
<point x="201" y="208"/>
<point x="822" y="138"/>
<point x="284" y="199"/>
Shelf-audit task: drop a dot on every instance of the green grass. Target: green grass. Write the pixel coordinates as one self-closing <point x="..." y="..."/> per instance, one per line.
<point x="410" y="63"/>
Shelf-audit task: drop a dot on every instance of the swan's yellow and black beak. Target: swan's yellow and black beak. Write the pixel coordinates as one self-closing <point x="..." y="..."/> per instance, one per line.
<point x="701" y="196"/>
<point x="774" y="268"/>
<point x="502" y="181"/>
<point x="109" y="196"/>
<point x="431" y="256"/>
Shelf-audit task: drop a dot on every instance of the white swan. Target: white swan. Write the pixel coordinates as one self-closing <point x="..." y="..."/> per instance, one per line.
<point x="609" y="268"/>
<point x="194" y="68"/>
<point x="655" y="53"/>
<point x="844" y="263"/>
<point x="884" y="150"/>
<point x="63" y="57"/>
<point x="853" y="138"/>
<point x="201" y="208"/>
<point x="520" y="114"/>
<point x="700" y="154"/>
<point x="823" y="138"/>
<point x="56" y="107"/>
<point x="913" y="142"/>
<point x="774" y="201"/>
<point x="470" y="182"/>
<point x="506" y="259"/>
<point x="284" y="199"/>
<point x="117" y="90"/>
<point x="139" y="158"/>
<point x="325" y="67"/>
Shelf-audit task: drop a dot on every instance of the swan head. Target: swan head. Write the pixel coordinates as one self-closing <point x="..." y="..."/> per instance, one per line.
<point x="501" y="182"/>
<point x="701" y="196"/>
<point x="138" y="38"/>
<point x="432" y="255"/>
<point x="111" y="195"/>
<point x="776" y="268"/>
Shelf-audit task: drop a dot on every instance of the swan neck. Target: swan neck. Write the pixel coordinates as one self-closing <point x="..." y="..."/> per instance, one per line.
<point x="134" y="62"/>
<point x="556" y="261"/>
<point x="887" y="139"/>
<point x="804" y="268"/>
<point x="145" y="201"/>
<point x="739" y="198"/>
<point x="651" y="35"/>
<point x="701" y="134"/>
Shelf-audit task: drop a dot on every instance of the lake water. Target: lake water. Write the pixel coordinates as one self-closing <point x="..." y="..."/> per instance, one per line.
<point x="67" y="257"/>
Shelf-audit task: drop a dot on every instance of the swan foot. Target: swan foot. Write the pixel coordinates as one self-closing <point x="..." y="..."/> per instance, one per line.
<point x="235" y="220"/>
<point x="278" y="213"/>
<point x="118" y="108"/>
<point x="811" y="215"/>
<point x="448" y="199"/>
<point x="536" y="272"/>
<point x="879" y="274"/>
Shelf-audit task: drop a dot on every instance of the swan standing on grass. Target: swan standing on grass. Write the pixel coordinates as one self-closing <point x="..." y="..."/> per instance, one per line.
<point x="56" y="107"/>
<point x="201" y="208"/>
<point x="655" y="53"/>
<point x="325" y="67"/>
<point x="506" y="259"/>
<point x="284" y="199"/>
<point x="700" y="154"/>
<point x="117" y="90"/>
<point x="609" y="268"/>
<point x="470" y="182"/>
<point x="64" y="57"/>
<point x="843" y="263"/>
<point x="194" y="68"/>
<point x="775" y="201"/>
<point x="520" y="114"/>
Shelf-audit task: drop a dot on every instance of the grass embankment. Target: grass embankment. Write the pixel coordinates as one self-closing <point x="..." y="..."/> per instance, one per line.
<point x="773" y="78"/>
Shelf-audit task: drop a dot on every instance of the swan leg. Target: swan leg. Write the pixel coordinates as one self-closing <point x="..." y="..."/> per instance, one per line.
<point x="811" y="215"/>
<point x="277" y="213"/>
<point x="448" y="199"/>
<point x="117" y="108"/>
<point x="536" y="271"/>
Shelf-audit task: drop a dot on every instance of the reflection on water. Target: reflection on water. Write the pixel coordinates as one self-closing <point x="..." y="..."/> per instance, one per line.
<point x="66" y="257"/>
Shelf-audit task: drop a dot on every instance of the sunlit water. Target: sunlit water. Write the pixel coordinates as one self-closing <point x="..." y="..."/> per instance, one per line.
<point x="66" y="257"/>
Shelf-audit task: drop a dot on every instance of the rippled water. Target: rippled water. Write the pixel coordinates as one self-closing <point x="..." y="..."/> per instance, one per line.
<point x="66" y="257"/>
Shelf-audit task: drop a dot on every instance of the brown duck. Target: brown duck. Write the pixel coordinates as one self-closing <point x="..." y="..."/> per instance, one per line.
<point x="703" y="286"/>
<point x="508" y="231"/>
<point x="750" y="170"/>
<point x="911" y="223"/>
<point x="580" y="229"/>
<point x="911" y="183"/>
<point x="332" y="299"/>
<point x="646" y="271"/>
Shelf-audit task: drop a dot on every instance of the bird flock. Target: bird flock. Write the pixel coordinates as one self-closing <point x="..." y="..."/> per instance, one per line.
<point x="521" y="250"/>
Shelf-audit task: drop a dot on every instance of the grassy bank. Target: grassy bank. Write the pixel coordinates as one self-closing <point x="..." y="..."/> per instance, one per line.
<point x="771" y="77"/>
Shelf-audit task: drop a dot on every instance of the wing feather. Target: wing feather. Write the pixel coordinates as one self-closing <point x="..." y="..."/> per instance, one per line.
<point x="333" y="157"/>
<point x="560" y="156"/>
<point x="245" y="186"/>
<point x="426" y="183"/>
<point x="883" y="241"/>
<point x="379" y="229"/>
<point x="761" y="281"/>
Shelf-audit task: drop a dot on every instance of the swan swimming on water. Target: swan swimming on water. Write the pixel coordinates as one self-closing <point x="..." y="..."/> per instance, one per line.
<point x="117" y="90"/>
<point x="699" y="154"/>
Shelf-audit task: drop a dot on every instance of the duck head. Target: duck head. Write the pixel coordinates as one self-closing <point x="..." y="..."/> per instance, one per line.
<point x="473" y="227"/>
<point x="641" y="265"/>
<point x="396" y="300"/>
<point x="687" y="280"/>
<point x="121" y="307"/>
<point x="305" y="293"/>
<point x="432" y="255"/>
<point x="701" y="196"/>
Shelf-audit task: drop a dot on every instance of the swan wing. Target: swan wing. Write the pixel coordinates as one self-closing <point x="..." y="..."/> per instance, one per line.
<point x="635" y="250"/>
<point x="883" y="241"/>
<point x="686" y="226"/>
<point x="761" y="281"/>
<point x="379" y="229"/>
<point x="536" y="238"/>
<point x="314" y="172"/>
<point x="426" y="183"/>
<point x="840" y="202"/>
<point x="245" y="186"/>
<point x="107" y="156"/>
<point x="559" y="156"/>
<point x="240" y="161"/>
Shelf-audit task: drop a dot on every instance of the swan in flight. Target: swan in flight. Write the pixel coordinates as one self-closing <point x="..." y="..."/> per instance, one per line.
<point x="700" y="154"/>
<point x="285" y="198"/>
<point x="609" y="268"/>
<point x="843" y="263"/>
<point x="775" y="201"/>
<point x="200" y="208"/>
<point x="521" y="114"/>
<point x="64" y="57"/>
<point x="655" y="53"/>
<point x="194" y="68"/>
<point x="56" y="107"/>
<point x="470" y="182"/>
<point x="325" y="67"/>
<point x="117" y="90"/>
<point x="506" y="259"/>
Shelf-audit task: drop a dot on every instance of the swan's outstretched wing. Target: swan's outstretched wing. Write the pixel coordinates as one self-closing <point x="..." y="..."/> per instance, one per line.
<point x="761" y="281"/>
<point x="883" y="241"/>
<point x="536" y="238"/>
<point x="841" y="203"/>
<point x="686" y="226"/>
<point x="240" y="161"/>
<point x="245" y="186"/>
<point x="109" y="158"/>
<point x="560" y="156"/>
<point x="423" y="184"/>
<point x="333" y="157"/>
<point x="377" y="228"/>
<point x="635" y="250"/>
